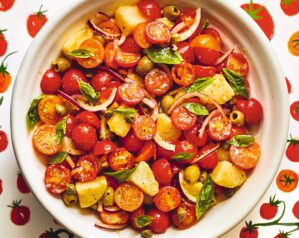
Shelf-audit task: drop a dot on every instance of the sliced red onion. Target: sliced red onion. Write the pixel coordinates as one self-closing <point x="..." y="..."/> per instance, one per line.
<point x="112" y="73"/>
<point x="121" y="40"/>
<point x="101" y="224"/>
<point x="101" y="32"/>
<point x="198" y="158"/>
<point x="178" y="27"/>
<point x="111" y="208"/>
<point x="185" y="193"/>
<point x="223" y="57"/>
<point x="149" y="103"/>
<point x="69" y="98"/>
<point x="163" y="143"/>
<point x="152" y="103"/>
<point x="206" y="122"/>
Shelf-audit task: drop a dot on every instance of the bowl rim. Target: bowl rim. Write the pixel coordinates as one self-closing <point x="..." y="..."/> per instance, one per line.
<point x="230" y="7"/>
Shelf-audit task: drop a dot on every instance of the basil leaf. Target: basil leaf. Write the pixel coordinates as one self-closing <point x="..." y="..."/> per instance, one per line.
<point x="125" y="111"/>
<point x="242" y="140"/>
<point x="61" y="129"/>
<point x="183" y="156"/>
<point x="164" y="55"/>
<point x="32" y="117"/>
<point x="88" y="92"/>
<point x="196" y="108"/>
<point x="144" y="220"/>
<point x="205" y="25"/>
<point x="205" y="198"/>
<point x="121" y="176"/>
<point x="199" y="84"/>
<point x="81" y="53"/>
<point x="57" y="158"/>
<point x="237" y="82"/>
<point x="1" y="100"/>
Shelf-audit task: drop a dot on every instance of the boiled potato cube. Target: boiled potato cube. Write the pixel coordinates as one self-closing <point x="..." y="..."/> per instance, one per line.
<point x="118" y="124"/>
<point x="166" y="129"/>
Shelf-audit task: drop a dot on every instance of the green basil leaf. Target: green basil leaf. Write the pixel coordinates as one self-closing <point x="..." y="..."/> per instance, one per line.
<point x="32" y="117"/>
<point x="57" y="158"/>
<point x="183" y="156"/>
<point x="1" y="100"/>
<point x="205" y="25"/>
<point x="164" y="55"/>
<point x="88" y="92"/>
<point x="125" y="111"/>
<point x="205" y="198"/>
<point x="237" y="82"/>
<point x="144" y="220"/>
<point x="81" y="53"/>
<point x="61" y="129"/>
<point x="199" y="84"/>
<point x="242" y="140"/>
<point x="121" y="176"/>
<point x="196" y="108"/>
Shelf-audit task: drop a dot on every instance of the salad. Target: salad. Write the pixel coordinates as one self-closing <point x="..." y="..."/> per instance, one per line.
<point x="145" y="118"/>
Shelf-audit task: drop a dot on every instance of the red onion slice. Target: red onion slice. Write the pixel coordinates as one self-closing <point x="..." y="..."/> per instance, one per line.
<point x="198" y="158"/>
<point x="111" y="208"/>
<point x="186" y="194"/>
<point x="101" y="32"/>
<point x="69" y="98"/>
<point x="178" y="27"/>
<point x="223" y="57"/>
<point x="206" y="122"/>
<point x="101" y="224"/>
<point x="112" y="73"/>
<point x="121" y="40"/>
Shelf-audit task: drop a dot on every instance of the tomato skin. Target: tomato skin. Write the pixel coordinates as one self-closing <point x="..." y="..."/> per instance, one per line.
<point x="4" y="82"/>
<point x="35" y="22"/>
<point x="294" y="110"/>
<point x="163" y="153"/>
<point x="268" y="211"/>
<point x="51" y="82"/>
<point x="237" y="62"/>
<point x="210" y="161"/>
<point x="189" y="218"/>
<point x="56" y="178"/>
<point x="47" y="109"/>
<point x="147" y="152"/>
<point x="292" y="152"/>
<point x="114" y="218"/>
<point x="90" y="118"/>
<point x="70" y="123"/>
<point x="287" y="180"/>
<point x="237" y="130"/>
<point x="133" y="216"/>
<point x="246" y="233"/>
<point x="6" y="4"/>
<point x="186" y="51"/>
<point x="252" y="109"/>
<point x="110" y="52"/>
<point x="127" y="60"/>
<point x="120" y="159"/>
<point x="160" y="221"/>
<point x="182" y="118"/>
<point x="295" y="210"/>
<point x="130" y="94"/>
<point x="131" y="142"/>
<point x="130" y="45"/>
<point x="150" y="8"/>
<point x="104" y="147"/>
<point x="185" y="146"/>
<point x="3" y="141"/>
<point x="157" y="33"/>
<point x="139" y="36"/>
<point x="70" y="81"/>
<point x="144" y="128"/>
<point x="214" y="33"/>
<point x="162" y="171"/>
<point x="84" y="136"/>
<point x="3" y="43"/>
<point x="204" y="71"/>
<point x="183" y="74"/>
<point x="192" y="136"/>
<point x="219" y="128"/>
<point x="206" y="56"/>
<point x="88" y="168"/>
<point x="157" y="82"/>
<point x="100" y="80"/>
<point x="167" y="199"/>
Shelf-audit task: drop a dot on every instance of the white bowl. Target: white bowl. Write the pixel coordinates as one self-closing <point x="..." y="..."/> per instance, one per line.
<point x="267" y="85"/>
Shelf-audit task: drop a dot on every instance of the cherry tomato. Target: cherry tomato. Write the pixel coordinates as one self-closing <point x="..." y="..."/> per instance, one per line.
<point x="131" y="142"/>
<point x="184" y="216"/>
<point x="100" y="80"/>
<point x="105" y="94"/>
<point x="237" y="130"/>
<point x="192" y="136"/>
<point x="36" y="21"/>
<point x="157" y="82"/>
<point x="287" y="180"/>
<point x="128" y="197"/>
<point x="90" y="118"/>
<point x="130" y="45"/>
<point x="219" y="128"/>
<point x="237" y="62"/>
<point x="183" y="74"/>
<point x="47" y="109"/>
<point x="186" y="51"/>
<point x="6" y="4"/>
<point x="294" y="110"/>
<point x="70" y="123"/>
<point x="86" y="168"/>
<point x="182" y="118"/>
<point x="110" y="52"/>
<point x="133" y="217"/>
<point x="249" y="233"/>
<point x="70" y="81"/>
<point x="139" y="36"/>
<point x="51" y="82"/>
<point x="163" y="153"/>
<point x="204" y="71"/>
<point x="3" y="145"/>
<point x="109" y="27"/>
<point x="295" y="210"/>
<point x="167" y="199"/>
<point x="268" y="211"/>
<point x="104" y="147"/>
<point x="160" y="221"/>
<point x="157" y="33"/>
<point x="144" y="128"/>
<point x="84" y="136"/>
<point x="56" y="178"/>
<point x="150" y="8"/>
<point x="188" y="16"/>
<point x="114" y="218"/>
<point x="120" y="159"/>
<point x="213" y="32"/>
<point x="130" y="94"/>
<point x="147" y="152"/>
<point x="3" y="42"/>
<point x="126" y="60"/>
<point x="162" y="171"/>
<point x="292" y="151"/>
<point x="45" y="140"/>
<point x="209" y="161"/>
<point x="185" y="146"/>
<point x="5" y="77"/>
<point x="252" y="109"/>
<point x="245" y="157"/>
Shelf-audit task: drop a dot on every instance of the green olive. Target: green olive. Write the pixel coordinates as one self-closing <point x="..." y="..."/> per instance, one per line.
<point x="166" y="102"/>
<point x="144" y="65"/>
<point x="223" y="155"/>
<point x="71" y="189"/>
<point x="203" y="176"/>
<point x="69" y="199"/>
<point x="195" y="188"/>
<point x="171" y="12"/>
<point x="108" y="197"/>
<point x="100" y="39"/>
<point x="146" y="234"/>
<point x="60" y="110"/>
<point x="61" y="64"/>
<point x="192" y="174"/>
<point x="237" y="118"/>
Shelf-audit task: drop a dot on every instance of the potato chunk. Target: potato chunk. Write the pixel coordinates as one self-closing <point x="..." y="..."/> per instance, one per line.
<point x="166" y="129"/>
<point x="118" y="125"/>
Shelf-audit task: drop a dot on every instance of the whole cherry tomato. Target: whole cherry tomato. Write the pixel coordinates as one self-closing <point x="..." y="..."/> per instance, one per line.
<point x="51" y="82"/>
<point x="130" y="45"/>
<point x="209" y="161"/>
<point x="160" y="221"/>
<point x="104" y="147"/>
<point x="70" y="123"/>
<point x="70" y="81"/>
<point x="84" y="136"/>
<point x="100" y="80"/>
<point x="185" y="146"/>
<point x="131" y="142"/>
<point x="186" y="51"/>
<point x="150" y="8"/>
<point x="134" y="215"/>
<point x="192" y="136"/>
<point x="90" y="118"/>
<point x="252" y="109"/>
<point x="249" y="232"/>
<point x="162" y="171"/>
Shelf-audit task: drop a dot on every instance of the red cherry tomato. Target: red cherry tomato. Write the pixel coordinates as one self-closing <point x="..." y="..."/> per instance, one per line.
<point x="185" y="146"/>
<point x="131" y="142"/>
<point x="150" y="8"/>
<point x="56" y="178"/>
<point x="268" y="211"/>
<point x="109" y="27"/>
<point x="204" y="71"/>
<point x="70" y="81"/>
<point x="182" y="118"/>
<point x="133" y="217"/>
<point x="139" y="36"/>
<point x="160" y="221"/>
<point x="237" y="130"/>
<point x="130" y="94"/>
<point x="110" y="52"/>
<point x="157" y="33"/>
<point x="6" y="4"/>
<point x="144" y="128"/>
<point x="100" y="80"/>
<point x="219" y="128"/>
<point x="90" y="118"/>
<point x="163" y="153"/>
<point x="51" y="82"/>
<point x="130" y="45"/>
<point x="162" y="171"/>
<point x="249" y="233"/>
<point x="106" y="92"/>
<point x="86" y="168"/>
<point x="167" y="199"/>
<point x="237" y="62"/>
<point x="35" y="22"/>
<point x="114" y="218"/>
<point x="183" y="74"/>
<point x="147" y="152"/>
<point x="209" y="161"/>
<point x="104" y="147"/>
<point x="70" y="123"/>
<point x="84" y="136"/>
<point x="157" y="82"/>
<point x="185" y="219"/>
<point x="120" y="159"/>
<point x="126" y="60"/>
<point x="252" y="109"/>
<point x="212" y="32"/>
<point x="192" y="136"/>
<point x="186" y="51"/>
<point x="188" y="16"/>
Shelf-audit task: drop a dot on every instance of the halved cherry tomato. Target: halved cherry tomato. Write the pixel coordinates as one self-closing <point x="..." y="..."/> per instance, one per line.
<point x="45" y="140"/>
<point x="51" y="82"/>
<point x="157" y="82"/>
<point x="131" y="142"/>
<point x="109" y="27"/>
<point x="150" y="8"/>
<point x="157" y="33"/>
<point x="144" y="128"/>
<point x="84" y="136"/>
<point x="183" y="74"/>
<point x="237" y="130"/>
<point x="70" y="81"/>
<point x="287" y="180"/>
<point x="168" y="198"/>
<point x="70" y="123"/>
<point x="100" y="80"/>
<point x="120" y="159"/>
<point x="163" y="153"/>
<point x="130" y="94"/>
<point x="219" y="128"/>
<point x="160" y="221"/>
<point x="86" y="168"/>
<point x="186" y="51"/>
<point x="128" y="197"/>
<point x="182" y="118"/>
<point x="188" y="16"/>
<point x="130" y="45"/>
<point x="56" y="178"/>
<point x="114" y="218"/>
<point x="184" y="216"/>
<point x="47" y="109"/>
<point x="106" y="92"/>
<point x="209" y="161"/>
<point x="204" y="71"/>
<point x="110" y="52"/>
<point x="162" y="171"/>
<point x="90" y="118"/>
<point x="192" y="136"/>
<point x="252" y="109"/>
<point x="245" y="157"/>
<point x="104" y="147"/>
<point x="185" y="146"/>
<point x="139" y="36"/>
<point x="133" y="217"/>
<point x="237" y="62"/>
<point x="147" y="152"/>
<point x="126" y="60"/>
<point x="212" y="32"/>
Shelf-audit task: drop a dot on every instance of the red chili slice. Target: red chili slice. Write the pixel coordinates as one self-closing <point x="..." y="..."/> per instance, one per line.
<point x="130" y="94"/>
<point x="144" y="128"/>
<point x="157" y="82"/>
<point x="157" y="33"/>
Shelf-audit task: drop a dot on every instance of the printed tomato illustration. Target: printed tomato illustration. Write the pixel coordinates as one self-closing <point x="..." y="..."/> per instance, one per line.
<point x="1" y="188"/>
<point x="282" y="234"/>
<point x="295" y="210"/>
<point x="269" y="210"/>
<point x="19" y="214"/>
<point x="6" y="4"/>
<point x="22" y="186"/>
<point x="292" y="151"/>
<point x="294" y="110"/>
<point x="3" y="42"/>
<point x="293" y="44"/>
<point x="3" y="141"/>
<point x="56" y="234"/>
<point x="289" y="85"/>
<point x="261" y="16"/>
<point x="5" y="78"/>
<point x="290" y="7"/>
<point x="287" y="180"/>
<point x="36" y="21"/>
<point x="249" y="232"/>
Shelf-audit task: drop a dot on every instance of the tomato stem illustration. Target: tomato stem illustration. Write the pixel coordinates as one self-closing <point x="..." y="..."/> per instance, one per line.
<point x="52" y="233"/>
<point x="3" y="68"/>
<point x="41" y="12"/>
